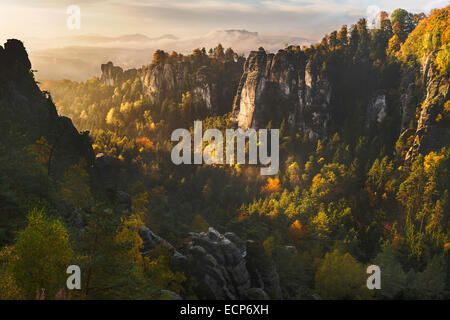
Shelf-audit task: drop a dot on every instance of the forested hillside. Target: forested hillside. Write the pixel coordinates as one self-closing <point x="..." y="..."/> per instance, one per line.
<point x="364" y="120"/>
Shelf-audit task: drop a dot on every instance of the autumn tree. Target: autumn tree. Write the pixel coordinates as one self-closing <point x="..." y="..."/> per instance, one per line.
<point x="160" y="57"/>
<point x="272" y="186"/>
<point x="404" y="19"/>
<point x="340" y="276"/>
<point x="43" y="252"/>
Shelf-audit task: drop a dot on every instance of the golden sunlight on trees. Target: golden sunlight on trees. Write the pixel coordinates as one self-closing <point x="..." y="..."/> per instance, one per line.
<point x="321" y="225"/>
<point x="144" y="143"/>
<point x="394" y="45"/>
<point x="340" y="276"/>
<point x="349" y="179"/>
<point x="128" y="233"/>
<point x="272" y="186"/>
<point x="432" y="160"/>
<point x="432" y="35"/>
<point x="380" y="184"/>
<point x="294" y="174"/>
<point x="329" y="182"/>
<point x="160" y="56"/>
<point x="111" y="117"/>
<point x="42" y="254"/>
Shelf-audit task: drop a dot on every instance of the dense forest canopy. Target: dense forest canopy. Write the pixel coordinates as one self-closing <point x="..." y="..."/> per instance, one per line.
<point x="358" y="195"/>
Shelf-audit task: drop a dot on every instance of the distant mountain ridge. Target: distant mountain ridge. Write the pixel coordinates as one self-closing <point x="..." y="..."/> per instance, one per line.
<point x="78" y="57"/>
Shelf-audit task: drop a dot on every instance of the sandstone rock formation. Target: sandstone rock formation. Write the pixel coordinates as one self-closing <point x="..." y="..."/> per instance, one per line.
<point x="34" y="113"/>
<point x="226" y="266"/>
<point x="114" y="76"/>
<point x="171" y="80"/>
<point x="284" y="82"/>
<point x="430" y="134"/>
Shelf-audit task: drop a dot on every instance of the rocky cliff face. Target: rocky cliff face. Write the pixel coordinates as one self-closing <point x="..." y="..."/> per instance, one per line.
<point x="285" y="82"/>
<point x="291" y="86"/>
<point x="226" y="267"/>
<point x="171" y="80"/>
<point x="114" y="76"/>
<point x="33" y="112"/>
<point x="232" y="268"/>
<point x="431" y="134"/>
<point x="163" y="80"/>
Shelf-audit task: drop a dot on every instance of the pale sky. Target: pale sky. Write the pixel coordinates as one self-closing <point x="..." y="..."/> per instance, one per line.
<point x="305" y="18"/>
<point x="59" y="52"/>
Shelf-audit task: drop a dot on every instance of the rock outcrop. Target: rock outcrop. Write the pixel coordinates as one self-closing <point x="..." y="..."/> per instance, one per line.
<point x="288" y="82"/>
<point x="228" y="267"/>
<point x="34" y="113"/>
<point x="168" y="80"/>
<point x="225" y="267"/>
<point x="114" y="76"/>
<point x="431" y="135"/>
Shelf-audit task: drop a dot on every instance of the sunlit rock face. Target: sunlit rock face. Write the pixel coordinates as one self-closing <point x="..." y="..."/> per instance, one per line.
<point x="252" y="84"/>
<point x="226" y="267"/>
<point x="430" y="134"/>
<point x="284" y="83"/>
<point x="164" y="80"/>
<point x="157" y="81"/>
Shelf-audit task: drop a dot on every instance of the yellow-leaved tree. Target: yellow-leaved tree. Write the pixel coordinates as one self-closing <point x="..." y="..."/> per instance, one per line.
<point x="42" y="254"/>
<point x="340" y="276"/>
